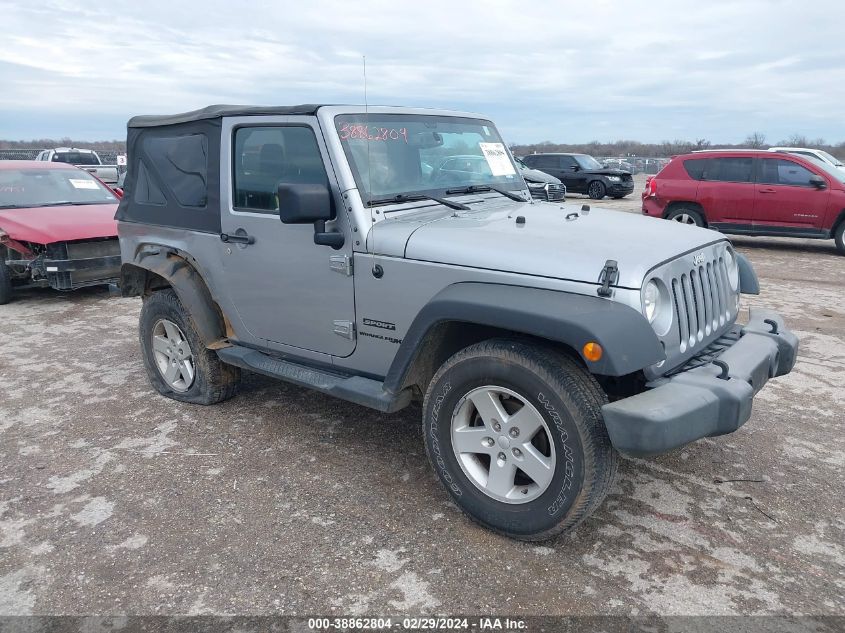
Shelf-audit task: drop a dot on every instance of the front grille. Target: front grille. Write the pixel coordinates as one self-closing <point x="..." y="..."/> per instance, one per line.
<point x="555" y="192"/>
<point x="702" y="300"/>
<point x="550" y="191"/>
<point x="701" y="305"/>
<point x="95" y="248"/>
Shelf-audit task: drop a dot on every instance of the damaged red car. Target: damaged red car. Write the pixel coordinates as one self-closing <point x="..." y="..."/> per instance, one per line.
<point x="57" y="228"/>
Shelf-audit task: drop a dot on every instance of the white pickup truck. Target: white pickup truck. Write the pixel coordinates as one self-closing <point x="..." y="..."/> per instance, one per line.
<point x="86" y="159"/>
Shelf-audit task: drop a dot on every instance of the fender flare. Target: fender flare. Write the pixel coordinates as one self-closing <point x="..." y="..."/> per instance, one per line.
<point x="186" y="281"/>
<point x="628" y="341"/>
<point x="748" y="282"/>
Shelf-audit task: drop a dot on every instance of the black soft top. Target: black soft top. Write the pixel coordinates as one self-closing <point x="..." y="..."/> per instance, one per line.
<point x="218" y="111"/>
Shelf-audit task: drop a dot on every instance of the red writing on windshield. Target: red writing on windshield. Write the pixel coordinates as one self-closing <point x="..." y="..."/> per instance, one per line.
<point x="371" y="133"/>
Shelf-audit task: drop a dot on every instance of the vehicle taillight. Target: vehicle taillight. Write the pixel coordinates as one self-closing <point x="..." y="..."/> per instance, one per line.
<point x="650" y="187"/>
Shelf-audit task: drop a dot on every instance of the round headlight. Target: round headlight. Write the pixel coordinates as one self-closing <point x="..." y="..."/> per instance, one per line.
<point x="732" y="265"/>
<point x="651" y="300"/>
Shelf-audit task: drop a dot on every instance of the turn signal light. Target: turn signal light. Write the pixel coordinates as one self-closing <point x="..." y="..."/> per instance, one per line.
<point x="592" y="351"/>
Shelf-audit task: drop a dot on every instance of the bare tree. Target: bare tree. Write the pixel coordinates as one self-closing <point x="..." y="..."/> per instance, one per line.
<point x="757" y="140"/>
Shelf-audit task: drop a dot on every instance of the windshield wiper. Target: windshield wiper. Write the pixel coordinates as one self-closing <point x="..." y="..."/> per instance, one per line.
<point x="482" y="188"/>
<point x="457" y="206"/>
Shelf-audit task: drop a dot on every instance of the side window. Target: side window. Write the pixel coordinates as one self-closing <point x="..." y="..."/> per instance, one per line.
<point x="545" y="161"/>
<point x="265" y="157"/>
<point x="784" y="172"/>
<point x="698" y="168"/>
<point x="566" y="162"/>
<point x="733" y="169"/>
<point x="182" y="163"/>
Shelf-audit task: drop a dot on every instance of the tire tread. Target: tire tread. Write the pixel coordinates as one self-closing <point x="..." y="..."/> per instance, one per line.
<point x="580" y="390"/>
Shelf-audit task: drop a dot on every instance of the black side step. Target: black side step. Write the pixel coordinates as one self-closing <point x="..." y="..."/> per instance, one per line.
<point x="357" y="389"/>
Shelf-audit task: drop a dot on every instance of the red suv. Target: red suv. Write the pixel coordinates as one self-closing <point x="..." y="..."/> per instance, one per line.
<point x="751" y="193"/>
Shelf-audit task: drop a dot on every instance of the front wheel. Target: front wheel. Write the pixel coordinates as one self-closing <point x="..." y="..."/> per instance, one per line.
<point x="596" y="190"/>
<point x="515" y="433"/>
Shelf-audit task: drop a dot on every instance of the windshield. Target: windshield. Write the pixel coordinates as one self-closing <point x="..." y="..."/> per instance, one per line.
<point x="588" y="162"/>
<point x="830" y="158"/>
<point x="47" y="187"/>
<point x="392" y="154"/>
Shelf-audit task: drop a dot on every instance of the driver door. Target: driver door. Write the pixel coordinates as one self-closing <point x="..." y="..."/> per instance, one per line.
<point x="570" y="174"/>
<point x="286" y="290"/>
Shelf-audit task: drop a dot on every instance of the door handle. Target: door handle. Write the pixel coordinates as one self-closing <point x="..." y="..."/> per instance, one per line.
<point x="237" y="239"/>
<point x="768" y="191"/>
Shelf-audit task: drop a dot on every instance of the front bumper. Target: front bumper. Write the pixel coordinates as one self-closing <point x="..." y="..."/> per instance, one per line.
<point x="623" y="188"/>
<point x="705" y="401"/>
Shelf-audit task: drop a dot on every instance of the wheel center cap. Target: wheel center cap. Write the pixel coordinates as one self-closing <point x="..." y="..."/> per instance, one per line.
<point x="504" y="442"/>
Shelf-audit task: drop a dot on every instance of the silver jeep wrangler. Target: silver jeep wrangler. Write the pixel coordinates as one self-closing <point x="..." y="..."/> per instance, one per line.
<point x="391" y="255"/>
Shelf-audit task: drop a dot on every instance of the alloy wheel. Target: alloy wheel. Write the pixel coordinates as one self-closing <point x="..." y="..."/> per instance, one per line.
<point x="503" y="444"/>
<point x="684" y="218"/>
<point x="173" y="356"/>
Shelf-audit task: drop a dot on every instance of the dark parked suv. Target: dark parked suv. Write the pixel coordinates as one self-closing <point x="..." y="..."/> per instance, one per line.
<point x="583" y="174"/>
<point x="751" y="193"/>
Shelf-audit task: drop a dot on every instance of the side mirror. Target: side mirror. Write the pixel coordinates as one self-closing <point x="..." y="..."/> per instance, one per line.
<point x="574" y="168"/>
<point x="307" y="203"/>
<point x="818" y="182"/>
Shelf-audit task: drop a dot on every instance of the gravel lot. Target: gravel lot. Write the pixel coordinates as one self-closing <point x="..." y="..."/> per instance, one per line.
<point x="114" y="500"/>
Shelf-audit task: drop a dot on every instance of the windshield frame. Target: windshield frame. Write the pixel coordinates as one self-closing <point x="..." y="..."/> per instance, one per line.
<point x="376" y="116"/>
<point x="70" y="173"/>
<point x="584" y="164"/>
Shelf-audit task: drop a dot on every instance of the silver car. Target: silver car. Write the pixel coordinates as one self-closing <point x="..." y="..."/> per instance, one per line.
<point x="335" y="248"/>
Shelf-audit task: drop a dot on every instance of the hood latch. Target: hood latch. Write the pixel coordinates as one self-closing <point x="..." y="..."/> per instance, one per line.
<point x="608" y="276"/>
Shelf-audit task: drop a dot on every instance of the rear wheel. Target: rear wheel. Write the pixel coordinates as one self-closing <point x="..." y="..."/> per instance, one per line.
<point x="178" y="364"/>
<point x="515" y="433"/>
<point x="839" y="238"/>
<point x="597" y="190"/>
<point x="685" y="215"/>
<point x="5" y="282"/>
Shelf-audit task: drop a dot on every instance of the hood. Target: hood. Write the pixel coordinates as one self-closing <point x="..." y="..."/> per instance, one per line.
<point x="547" y="245"/>
<point x="535" y="175"/>
<point x="44" y="225"/>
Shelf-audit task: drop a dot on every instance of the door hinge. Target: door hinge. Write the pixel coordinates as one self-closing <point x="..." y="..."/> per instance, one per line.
<point x="608" y="276"/>
<point x="346" y="329"/>
<point x="341" y="264"/>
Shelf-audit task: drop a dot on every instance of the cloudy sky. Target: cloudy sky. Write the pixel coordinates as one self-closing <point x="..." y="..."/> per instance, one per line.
<point x="570" y="71"/>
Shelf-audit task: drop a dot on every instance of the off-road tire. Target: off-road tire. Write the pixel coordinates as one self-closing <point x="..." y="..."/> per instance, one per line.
<point x="596" y="190"/>
<point x="568" y="398"/>
<point x="5" y="282"/>
<point x="838" y="238"/>
<point x="694" y="215"/>
<point x="213" y="382"/>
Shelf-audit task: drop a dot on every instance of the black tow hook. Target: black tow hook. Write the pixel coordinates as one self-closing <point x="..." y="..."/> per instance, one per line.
<point x="774" y="325"/>
<point x="723" y="375"/>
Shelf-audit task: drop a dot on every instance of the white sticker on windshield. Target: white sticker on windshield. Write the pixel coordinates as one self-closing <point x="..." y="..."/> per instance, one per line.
<point x="497" y="158"/>
<point x="79" y="183"/>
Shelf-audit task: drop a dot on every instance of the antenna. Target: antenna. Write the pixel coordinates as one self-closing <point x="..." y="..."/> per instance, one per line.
<point x="367" y="119"/>
<point x="376" y="267"/>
